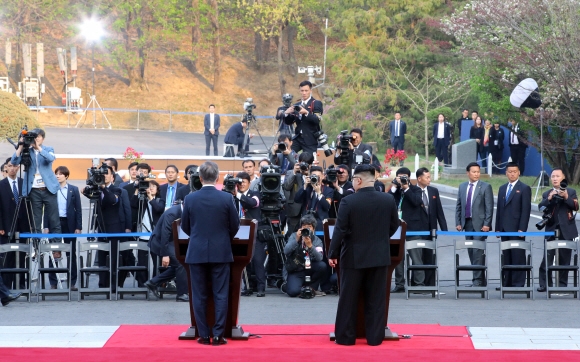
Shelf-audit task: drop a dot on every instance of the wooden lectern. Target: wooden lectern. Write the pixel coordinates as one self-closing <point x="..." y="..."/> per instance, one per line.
<point x="242" y="248"/>
<point x="397" y="253"/>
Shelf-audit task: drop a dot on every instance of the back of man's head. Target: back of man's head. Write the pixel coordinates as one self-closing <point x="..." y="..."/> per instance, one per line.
<point x="209" y="172"/>
<point x="366" y="172"/>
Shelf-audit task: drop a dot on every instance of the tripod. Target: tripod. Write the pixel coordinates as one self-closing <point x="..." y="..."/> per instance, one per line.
<point x="246" y="144"/>
<point x="143" y="210"/>
<point x="275" y="261"/>
<point x="543" y="175"/>
<point x="94" y="225"/>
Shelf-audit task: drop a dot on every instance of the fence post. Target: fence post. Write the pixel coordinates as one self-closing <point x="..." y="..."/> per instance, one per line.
<point x="489" y="165"/>
<point x="138" y="119"/>
<point x="436" y="169"/>
<point x="170" y="120"/>
<point x="416" y="162"/>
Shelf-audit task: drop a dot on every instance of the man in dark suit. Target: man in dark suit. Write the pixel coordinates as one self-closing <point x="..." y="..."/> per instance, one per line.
<point x="211" y="125"/>
<point x="182" y="192"/>
<point x="431" y="213"/>
<point x="398" y="129"/>
<point x="514" y="205"/>
<point x="474" y="212"/>
<point x="315" y="197"/>
<point x="168" y="191"/>
<point x="496" y="139"/>
<point x="464" y="117"/>
<point x="109" y="220"/>
<point x="235" y="137"/>
<point x="518" y="147"/>
<point x="562" y="204"/>
<point x="356" y="148"/>
<point x="307" y="119"/>
<point x="161" y="245"/>
<point x="211" y="220"/>
<point x="293" y="182"/>
<point x="71" y="221"/>
<point x="441" y="139"/>
<point x="364" y="257"/>
<point x="10" y="191"/>
<point x="115" y="165"/>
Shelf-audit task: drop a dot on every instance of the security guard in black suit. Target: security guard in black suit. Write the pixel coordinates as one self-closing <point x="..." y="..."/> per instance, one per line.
<point x="562" y="204"/>
<point x="365" y="255"/>
<point x="307" y="115"/>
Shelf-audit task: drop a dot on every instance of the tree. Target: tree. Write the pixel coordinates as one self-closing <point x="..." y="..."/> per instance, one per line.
<point x="214" y="20"/>
<point x="539" y="39"/>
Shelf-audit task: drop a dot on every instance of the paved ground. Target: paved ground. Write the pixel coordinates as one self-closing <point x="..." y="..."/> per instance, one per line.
<point x="276" y="308"/>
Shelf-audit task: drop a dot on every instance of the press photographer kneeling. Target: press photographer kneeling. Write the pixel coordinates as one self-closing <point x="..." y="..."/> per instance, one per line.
<point x="304" y="261"/>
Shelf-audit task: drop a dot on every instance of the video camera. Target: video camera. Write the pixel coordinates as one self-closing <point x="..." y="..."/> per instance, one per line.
<point x="194" y="180"/>
<point x="271" y="201"/>
<point x="95" y="179"/>
<point x="287" y="99"/>
<point x="230" y="183"/>
<point x="331" y="175"/>
<point x="249" y="105"/>
<point x="28" y="137"/>
<point x="143" y="183"/>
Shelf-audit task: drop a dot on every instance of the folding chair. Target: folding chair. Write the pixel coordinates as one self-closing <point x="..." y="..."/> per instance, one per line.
<point x="555" y="245"/>
<point x="422" y="244"/>
<point x="42" y="270"/>
<point x="16" y="249"/>
<point x="84" y="271"/>
<point x="464" y="245"/>
<point x="131" y="245"/>
<point x="528" y="268"/>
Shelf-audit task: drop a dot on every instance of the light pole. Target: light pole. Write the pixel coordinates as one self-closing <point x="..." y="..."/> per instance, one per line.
<point x="92" y="30"/>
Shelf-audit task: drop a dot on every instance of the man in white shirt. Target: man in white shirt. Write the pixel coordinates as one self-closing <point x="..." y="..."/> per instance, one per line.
<point x="211" y="124"/>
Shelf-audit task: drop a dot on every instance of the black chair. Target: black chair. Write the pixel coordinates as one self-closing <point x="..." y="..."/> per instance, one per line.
<point x="84" y="271"/>
<point x="131" y="245"/>
<point x="562" y="244"/>
<point x="464" y="245"/>
<point x="42" y="270"/>
<point x="16" y="249"/>
<point x="528" y="288"/>
<point x="409" y="267"/>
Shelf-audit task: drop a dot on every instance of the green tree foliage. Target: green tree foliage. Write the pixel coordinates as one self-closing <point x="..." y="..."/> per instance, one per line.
<point x="13" y="116"/>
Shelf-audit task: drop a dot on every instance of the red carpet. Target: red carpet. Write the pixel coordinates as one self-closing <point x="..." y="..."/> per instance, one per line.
<point x="285" y="343"/>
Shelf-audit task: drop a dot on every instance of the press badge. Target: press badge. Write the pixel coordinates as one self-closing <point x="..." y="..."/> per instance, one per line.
<point x="38" y="181"/>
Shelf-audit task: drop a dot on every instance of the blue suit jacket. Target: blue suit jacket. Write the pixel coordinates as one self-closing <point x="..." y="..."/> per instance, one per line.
<point x="216" y="124"/>
<point x="74" y="212"/>
<point x="45" y="159"/>
<point x="235" y="135"/>
<point x="211" y="220"/>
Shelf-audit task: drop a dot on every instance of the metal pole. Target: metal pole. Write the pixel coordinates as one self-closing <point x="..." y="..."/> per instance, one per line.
<point x="138" y="120"/>
<point x="170" y="120"/>
<point x="93" y="94"/>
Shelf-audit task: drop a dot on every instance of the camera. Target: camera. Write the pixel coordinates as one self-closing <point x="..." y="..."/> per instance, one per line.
<point x="314" y="179"/>
<point x="344" y="140"/>
<point x="305" y="233"/>
<point x="563" y="186"/>
<point x="28" y="137"/>
<point x="194" y="180"/>
<point x="322" y="138"/>
<point x="95" y="179"/>
<point x="297" y="108"/>
<point x="143" y="183"/>
<point x="271" y="200"/>
<point x="404" y="180"/>
<point x="546" y="216"/>
<point x="230" y="183"/>
<point x="249" y="105"/>
<point x="304" y="166"/>
<point x="287" y="99"/>
<point x="331" y="174"/>
<point x="281" y="147"/>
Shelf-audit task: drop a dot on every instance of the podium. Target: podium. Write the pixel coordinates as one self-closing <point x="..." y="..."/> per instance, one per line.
<point x="242" y="248"/>
<point x="397" y="244"/>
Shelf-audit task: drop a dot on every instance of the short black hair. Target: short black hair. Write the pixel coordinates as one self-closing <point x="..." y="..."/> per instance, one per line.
<point x="143" y="165"/>
<point x="62" y="170"/>
<point x="132" y="164"/>
<point x="40" y="132"/>
<point x="316" y="168"/>
<point x="248" y="160"/>
<point x="8" y="160"/>
<point x="365" y="169"/>
<point x="305" y="83"/>
<point x="244" y="176"/>
<point x="211" y="105"/>
<point x="475" y="112"/>
<point x="403" y="171"/>
<point x="306" y="157"/>
<point x="357" y="130"/>
<point x="111" y="169"/>
<point x="421" y="171"/>
<point x="512" y="164"/>
<point x="465" y="109"/>
<point x="113" y="162"/>
<point x="470" y="165"/>
<point x="186" y="172"/>
<point x="265" y="160"/>
<point x="283" y="137"/>
<point x="172" y="166"/>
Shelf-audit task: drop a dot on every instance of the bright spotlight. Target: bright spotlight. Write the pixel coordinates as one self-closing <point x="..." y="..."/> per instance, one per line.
<point x="92" y="30"/>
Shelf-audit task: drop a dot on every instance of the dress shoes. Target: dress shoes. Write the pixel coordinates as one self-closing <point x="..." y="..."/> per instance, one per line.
<point x="153" y="289"/>
<point x="541" y="289"/>
<point x="182" y="298"/>
<point x="247" y="292"/>
<point x="74" y="289"/>
<point x="11" y="297"/>
<point x="204" y="340"/>
<point x="260" y="294"/>
<point x="398" y="289"/>
<point x="218" y="341"/>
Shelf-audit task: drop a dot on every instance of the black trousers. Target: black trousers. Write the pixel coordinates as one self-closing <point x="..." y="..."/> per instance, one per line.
<point x="218" y="274"/>
<point x="372" y="283"/>
<point x="511" y="278"/>
<point x="442" y="153"/>
<point x="295" y="280"/>
<point x="564" y="257"/>
<point x="518" y="154"/>
<point x="44" y="200"/>
<point x="112" y="263"/>
<point x="496" y="156"/>
<point x="71" y="261"/>
<point x="398" y="144"/>
<point x="175" y="270"/>
<point x="258" y="260"/>
<point x="299" y="144"/>
<point x="209" y="138"/>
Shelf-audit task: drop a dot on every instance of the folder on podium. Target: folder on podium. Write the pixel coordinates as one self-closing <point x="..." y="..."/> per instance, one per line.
<point x="242" y="248"/>
<point x="397" y="244"/>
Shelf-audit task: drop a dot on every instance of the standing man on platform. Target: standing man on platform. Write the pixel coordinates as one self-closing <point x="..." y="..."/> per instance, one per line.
<point x="514" y="205"/>
<point x="211" y="124"/>
<point x="474" y="212"/>
<point x="211" y="220"/>
<point x="562" y="203"/>
<point x="307" y="115"/>
<point x="398" y="129"/>
<point x="364" y="257"/>
<point x="517" y="147"/>
<point x="496" y="138"/>
<point x="442" y="139"/>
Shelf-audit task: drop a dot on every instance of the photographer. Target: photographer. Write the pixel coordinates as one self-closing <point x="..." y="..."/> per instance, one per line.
<point x="283" y="155"/>
<point x="561" y="204"/>
<point x="256" y="184"/>
<point x="115" y="165"/>
<point x="304" y="253"/>
<point x="379" y="185"/>
<point x="314" y="196"/>
<point x="153" y="205"/>
<point x="342" y="187"/>
<point x="132" y="168"/>
<point x="408" y="199"/>
<point x="192" y="176"/>
<point x="355" y="147"/>
<point x="293" y="182"/>
<point x="287" y="103"/>
<point x="307" y="115"/>
<point x="40" y="183"/>
<point x="235" y="137"/>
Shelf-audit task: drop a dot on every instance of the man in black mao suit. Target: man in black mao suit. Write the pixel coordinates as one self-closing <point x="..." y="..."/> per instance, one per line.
<point x="514" y="205"/>
<point x="235" y="136"/>
<point x="211" y="125"/>
<point x="562" y="204"/>
<point x="211" y="220"/>
<point x="364" y="255"/>
<point x="356" y="148"/>
<point x="441" y="139"/>
<point x="307" y="120"/>
<point x="7" y="211"/>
